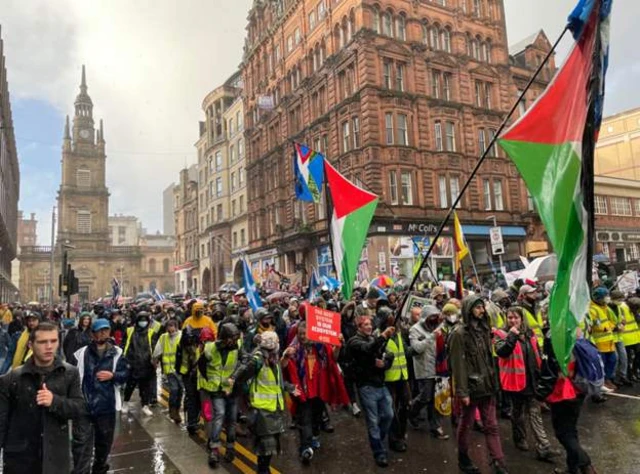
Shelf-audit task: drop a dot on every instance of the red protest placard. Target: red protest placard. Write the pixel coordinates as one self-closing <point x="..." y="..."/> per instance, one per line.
<point x="323" y="326"/>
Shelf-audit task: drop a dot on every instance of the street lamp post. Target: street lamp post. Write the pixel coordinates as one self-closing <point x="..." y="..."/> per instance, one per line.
<point x="495" y="224"/>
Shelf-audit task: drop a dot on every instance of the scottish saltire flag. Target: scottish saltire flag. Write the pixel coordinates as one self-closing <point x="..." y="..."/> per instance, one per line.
<point x="314" y="284"/>
<point x="157" y="295"/>
<point x="331" y="283"/>
<point x="552" y="146"/>
<point x="309" y="172"/>
<point x="250" y="287"/>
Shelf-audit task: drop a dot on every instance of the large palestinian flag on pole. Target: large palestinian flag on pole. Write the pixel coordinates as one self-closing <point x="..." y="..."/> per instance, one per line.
<point x="552" y="146"/>
<point x="353" y="209"/>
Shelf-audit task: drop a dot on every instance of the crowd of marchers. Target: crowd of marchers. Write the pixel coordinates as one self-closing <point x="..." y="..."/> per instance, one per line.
<point x="227" y="368"/>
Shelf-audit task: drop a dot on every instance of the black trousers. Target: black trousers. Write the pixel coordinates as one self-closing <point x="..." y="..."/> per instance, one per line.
<point x="309" y="418"/>
<point x="564" y="417"/>
<point x="92" y="435"/>
<point x="191" y="399"/>
<point x="633" y="356"/>
<point x="144" y="386"/>
<point x="401" y="397"/>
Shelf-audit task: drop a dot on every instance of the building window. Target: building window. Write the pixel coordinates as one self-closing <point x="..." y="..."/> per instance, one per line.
<point x="297" y="36"/>
<point x="401" y="31"/>
<point x="477" y="8"/>
<point x="446" y="86"/>
<point x="425" y="34"/>
<point x="438" y="136"/>
<point x="346" y="136"/>
<point x="83" y="178"/>
<point x="620" y="206"/>
<point x="165" y="265"/>
<point x="235" y="240"/>
<point x="403" y="132"/>
<point x="232" y="154"/>
<point x="355" y="122"/>
<point x="393" y="187"/>
<point x="407" y="188"/>
<point x="388" y="118"/>
<point x="386" y="73"/>
<point x="289" y="43"/>
<point x="451" y="136"/>
<point x="241" y="176"/>
<point x="234" y="182"/>
<point x="497" y="195"/>
<point x="442" y="192"/>
<point x="531" y="205"/>
<point x="454" y="185"/>
<point x="632" y="252"/>
<point x="218" y="161"/>
<point x="446" y="40"/>
<point x="493" y="151"/>
<point x="122" y="234"/>
<point x="482" y="143"/>
<point x="600" y="205"/>
<point x="241" y="204"/>
<point x="240" y="149"/>
<point x="219" y="214"/>
<point x="387" y="24"/>
<point x="376" y="20"/>
<point x="218" y="187"/>
<point x="486" y="188"/>
<point x="435" y="84"/>
<point x="434" y="37"/>
<point x="83" y="222"/>
<point x="312" y="20"/>
<point x="483" y="94"/>
<point x="637" y="206"/>
<point x="400" y="77"/>
<point x="242" y="238"/>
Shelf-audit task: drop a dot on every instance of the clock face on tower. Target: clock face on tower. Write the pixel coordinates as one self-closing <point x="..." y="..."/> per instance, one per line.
<point x="85" y="133"/>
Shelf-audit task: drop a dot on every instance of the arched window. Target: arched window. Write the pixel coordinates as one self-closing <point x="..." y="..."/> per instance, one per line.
<point x="165" y="265"/>
<point x="401" y="29"/>
<point x="445" y="40"/>
<point x="152" y="265"/>
<point x="434" y="38"/>
<point x="475" y="48"/>
<point x="387" y="23"/>
<point x="425" y="33"/>
<point x="352" y="24"/>
<point x="486" y="51"/>
<point x="376" y="20"/>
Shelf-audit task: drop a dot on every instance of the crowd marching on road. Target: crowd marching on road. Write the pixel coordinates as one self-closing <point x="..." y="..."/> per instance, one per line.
<point x="228" y="368"/>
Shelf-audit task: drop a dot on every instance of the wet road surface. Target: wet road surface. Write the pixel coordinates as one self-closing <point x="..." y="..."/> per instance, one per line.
<point x="609" y="432"/>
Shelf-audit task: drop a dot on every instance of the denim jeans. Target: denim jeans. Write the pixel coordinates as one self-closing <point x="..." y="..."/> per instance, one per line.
<point x="609" y="360"/>
<point x="378" y="408"/>
<point x="225" y="414"/>
<point x="623" y="362"/>
<point x="175" y="388"/>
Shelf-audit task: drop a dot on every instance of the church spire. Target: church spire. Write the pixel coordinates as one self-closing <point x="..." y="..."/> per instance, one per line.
<point x="83" y="83"/>
<point x="67" y="133"/>
<point x="84" y="105"/>
<point x="101" y="131"/>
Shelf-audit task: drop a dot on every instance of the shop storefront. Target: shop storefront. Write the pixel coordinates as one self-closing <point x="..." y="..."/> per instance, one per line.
<point x="619" y="246"/>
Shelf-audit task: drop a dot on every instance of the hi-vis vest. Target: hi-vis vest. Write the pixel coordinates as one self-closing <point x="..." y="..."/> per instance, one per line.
<point x="169" y="349"/>
<point x="217" y="372"/>
<point x="265" y="392"/>
<point x="535" y="324"/>
<point x="631" y="333"/>
<point x="129" y="337"/>
<point x="513" y="370"/>
<point x="602" y="329"/>
<point x="398" y="370"/>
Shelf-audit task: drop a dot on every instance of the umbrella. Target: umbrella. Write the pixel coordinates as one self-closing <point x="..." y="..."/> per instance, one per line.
<point x="278" y="295"/>
<point x="382" y="281"/>
<point x="542" y="268"/>
<point x="229" y="287"/>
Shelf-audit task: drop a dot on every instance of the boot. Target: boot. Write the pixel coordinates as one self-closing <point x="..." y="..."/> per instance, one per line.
<point x="499" y="467"/>
<point x="466" y="465"/>
<point x="174" y="414"/>
<point x="214" y="458"/>
<point x="230" y="455"/>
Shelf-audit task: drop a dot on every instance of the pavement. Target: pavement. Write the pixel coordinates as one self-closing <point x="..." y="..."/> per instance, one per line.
<point x="609" y="432"/>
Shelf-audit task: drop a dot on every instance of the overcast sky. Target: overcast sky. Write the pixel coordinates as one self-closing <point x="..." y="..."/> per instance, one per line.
<point x="149" y="65"/>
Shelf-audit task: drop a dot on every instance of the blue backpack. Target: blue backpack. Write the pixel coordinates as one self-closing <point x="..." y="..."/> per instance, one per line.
<point x="589" y="377"/>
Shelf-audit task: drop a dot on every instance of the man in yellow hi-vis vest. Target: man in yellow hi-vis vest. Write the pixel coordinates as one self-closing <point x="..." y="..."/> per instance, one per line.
<point x="266" y="396"/>
<point x="602" y="331"/>
<point x="165" y="353"/>
<point x="628" y="335"/>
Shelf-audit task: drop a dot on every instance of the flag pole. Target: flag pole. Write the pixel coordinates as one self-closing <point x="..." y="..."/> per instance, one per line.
<point x="477" y="167"/>
<point x="329" y="215"/>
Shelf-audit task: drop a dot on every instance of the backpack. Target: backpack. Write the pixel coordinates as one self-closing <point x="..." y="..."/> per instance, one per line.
<point x="589" y="376"/>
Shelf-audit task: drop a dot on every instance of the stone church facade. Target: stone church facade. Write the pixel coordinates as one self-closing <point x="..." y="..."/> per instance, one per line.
<point x="83" y="211"/>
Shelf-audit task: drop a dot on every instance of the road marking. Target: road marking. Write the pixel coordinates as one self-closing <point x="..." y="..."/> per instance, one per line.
<point x="623" y="395"/>
<point x="238" y="463"/>
<point x="134" y="452"/>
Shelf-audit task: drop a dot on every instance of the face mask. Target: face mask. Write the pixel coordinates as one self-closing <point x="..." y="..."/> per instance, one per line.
<point x="607" y="300"/>
<point x="143" y="324"/>
<point x="452" y="318"/>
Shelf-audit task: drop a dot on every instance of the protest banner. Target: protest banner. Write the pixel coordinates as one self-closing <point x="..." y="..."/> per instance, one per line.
<point x="412" y="301"/>
<point x="323" y="326"/>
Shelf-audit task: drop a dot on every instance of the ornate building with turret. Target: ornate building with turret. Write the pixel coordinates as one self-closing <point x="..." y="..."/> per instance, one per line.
<point x="83" y="221"/>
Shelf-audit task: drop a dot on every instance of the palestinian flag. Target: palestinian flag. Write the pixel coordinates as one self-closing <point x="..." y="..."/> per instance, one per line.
<point x="552" y="146"/>
<point x="353" y="209"/>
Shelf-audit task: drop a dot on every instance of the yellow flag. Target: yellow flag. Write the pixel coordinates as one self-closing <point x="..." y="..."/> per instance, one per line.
<point x="460" y="247"/>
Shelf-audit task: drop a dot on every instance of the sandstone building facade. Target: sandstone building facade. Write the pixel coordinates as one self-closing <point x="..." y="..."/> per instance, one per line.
<point x="402" y="97"/>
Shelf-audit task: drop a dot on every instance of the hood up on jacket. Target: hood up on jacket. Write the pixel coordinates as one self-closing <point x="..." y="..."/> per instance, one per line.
<point x="467" y="304"/>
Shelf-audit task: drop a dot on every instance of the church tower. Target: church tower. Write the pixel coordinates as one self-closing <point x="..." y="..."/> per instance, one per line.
<point x="83" y="197"/>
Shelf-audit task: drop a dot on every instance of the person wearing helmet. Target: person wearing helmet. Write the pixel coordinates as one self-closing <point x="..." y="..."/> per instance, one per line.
<point x="199" y="319"/>
<point x="138" y="348"/>
<point x="22" y="351"/>
<point x="102" y="371"/>
<point x="603" y="323"/>
<point x="77" y="338"/>
<point x="218" y="362"/>
<point x="263" y="373"/>
<point x="165" y="353"/>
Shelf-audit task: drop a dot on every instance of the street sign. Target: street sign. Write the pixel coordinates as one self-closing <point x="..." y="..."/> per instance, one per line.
<point x="497" y="245"/>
